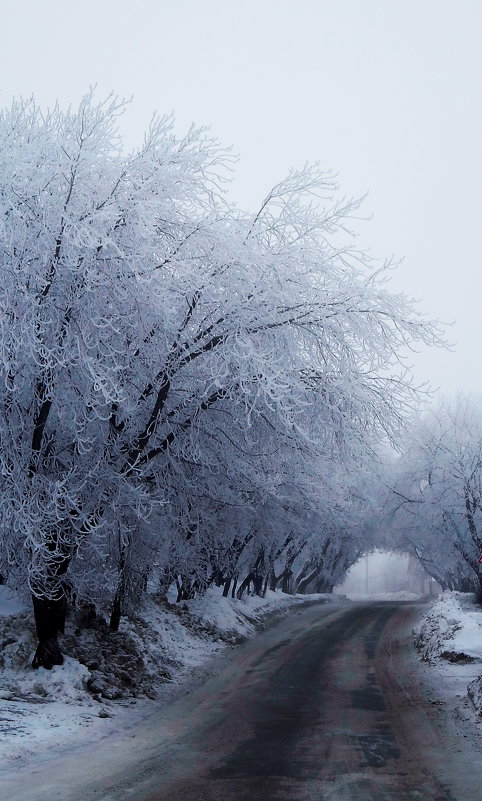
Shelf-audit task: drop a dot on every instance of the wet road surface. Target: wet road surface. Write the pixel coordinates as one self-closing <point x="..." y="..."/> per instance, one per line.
<point x="326" y="706"/>
<point x="324" y="713"/>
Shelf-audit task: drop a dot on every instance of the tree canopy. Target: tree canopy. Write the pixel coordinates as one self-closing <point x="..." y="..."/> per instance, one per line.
<point x="435" y="499"/>
<point x="188" y="390"/>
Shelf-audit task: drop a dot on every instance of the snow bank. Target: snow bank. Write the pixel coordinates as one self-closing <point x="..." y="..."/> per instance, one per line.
<point x="243" y="618"/>
<point x="451" y="630"/>
<point x="474" y="691"/>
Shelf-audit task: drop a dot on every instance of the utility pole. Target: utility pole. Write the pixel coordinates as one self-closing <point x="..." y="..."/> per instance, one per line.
<point x="366" y="575"/>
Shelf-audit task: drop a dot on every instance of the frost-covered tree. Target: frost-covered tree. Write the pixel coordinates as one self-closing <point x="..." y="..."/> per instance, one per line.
<point x="146" y="325"/>
<point x="436" y="497"/>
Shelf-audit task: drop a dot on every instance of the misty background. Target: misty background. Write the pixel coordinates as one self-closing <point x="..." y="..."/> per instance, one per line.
<point x="385" y="94"/>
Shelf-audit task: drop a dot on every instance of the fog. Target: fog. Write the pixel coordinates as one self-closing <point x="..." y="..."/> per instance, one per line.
<point x="384" y="572"/>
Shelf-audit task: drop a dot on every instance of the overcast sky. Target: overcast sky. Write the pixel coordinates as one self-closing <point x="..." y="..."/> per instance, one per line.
<point x="387" y="94"/>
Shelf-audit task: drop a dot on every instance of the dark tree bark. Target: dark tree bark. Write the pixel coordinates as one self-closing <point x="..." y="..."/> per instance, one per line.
<point x="273" y="581"/>
<point x="244" y="586"/>
<point x="118" y="602"/>
<point x="218" y="578"/>
<point x="49" y="622"/>
<point x="286" y="581"/>
<point x="116" y="612"/>
<point x="478" y="592"/>
<point x="464" y="585"/>
<point x="258" y="585"/>
<point x="166" y="578"/>
<point x="186" y="589"/>
<point x="324" y="586"/>
<point x="304" y="582"/>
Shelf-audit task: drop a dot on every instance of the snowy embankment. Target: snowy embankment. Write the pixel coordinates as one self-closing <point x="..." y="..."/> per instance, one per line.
<point x="109" y="679"/>
<point x="451" y="633"/>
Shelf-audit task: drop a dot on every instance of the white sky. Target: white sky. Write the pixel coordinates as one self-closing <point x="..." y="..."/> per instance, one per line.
<point x="387" y="93"/>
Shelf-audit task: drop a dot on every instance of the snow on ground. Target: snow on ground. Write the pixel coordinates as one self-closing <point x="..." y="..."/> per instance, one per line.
<point x="243" y="618"/>
<point x="402" y="595"/>
<point x="149" y="657"/>
<point x="449" y="638"/>
<point x="451" y="629"/>
<point x="167" y="645"/>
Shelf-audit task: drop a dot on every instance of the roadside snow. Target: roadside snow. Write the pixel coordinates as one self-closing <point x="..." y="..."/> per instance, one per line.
<point x="449" y="637"/>
<point x="403" y="595"/>
<point x="75" y="703"/>
<point x="243" y="618"/>
<point x="451" y="629"/>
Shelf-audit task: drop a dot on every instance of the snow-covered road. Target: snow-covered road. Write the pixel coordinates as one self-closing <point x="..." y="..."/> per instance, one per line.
<point x="331" y="704"/>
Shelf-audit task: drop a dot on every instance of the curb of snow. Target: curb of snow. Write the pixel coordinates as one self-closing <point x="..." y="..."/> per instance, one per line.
<point x="451" y="631"/>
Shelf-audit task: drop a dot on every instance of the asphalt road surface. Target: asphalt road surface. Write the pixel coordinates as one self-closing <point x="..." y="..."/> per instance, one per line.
<point x="326" y="706"/>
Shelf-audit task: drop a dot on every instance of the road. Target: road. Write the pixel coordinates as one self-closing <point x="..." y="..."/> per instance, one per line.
<point x="326" y="706"/>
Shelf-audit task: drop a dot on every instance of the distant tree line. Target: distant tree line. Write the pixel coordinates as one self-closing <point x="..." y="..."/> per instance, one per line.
<point x="434" y="502"/>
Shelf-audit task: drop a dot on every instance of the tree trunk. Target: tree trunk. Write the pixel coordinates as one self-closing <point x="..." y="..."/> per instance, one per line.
<point x="166" y="578"/>
<point x="118" y="601"/>
<point x="244" y="586"/>
<point x="218" y="578"/>
<point x="49" y="622"/>
<point x="258" y="585"/>
<point x="273" y="581"/>
<point x="324" y="586"/>
<point x="286" y="582"/>
<point x="478" y="593"/>
<point x="465" y="584"/>
<point x="304" y="582"/>
<point x="116" y="612"/>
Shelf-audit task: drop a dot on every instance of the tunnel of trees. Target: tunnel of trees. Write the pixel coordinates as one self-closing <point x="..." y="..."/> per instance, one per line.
<point x="196" y="395"/>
